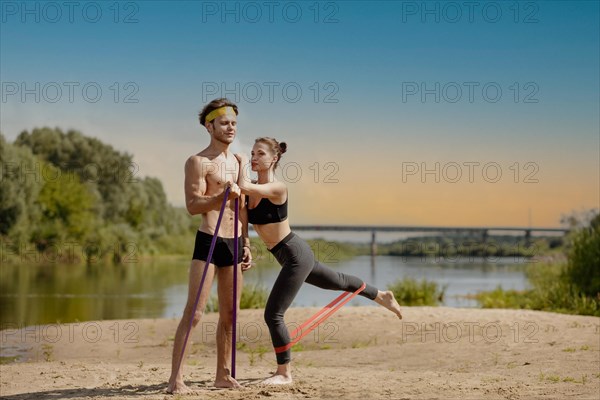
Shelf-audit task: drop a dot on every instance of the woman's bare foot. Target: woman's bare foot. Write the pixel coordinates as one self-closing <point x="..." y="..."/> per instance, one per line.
<point x="278" y="380"/>
<point x="283" y="375"/>
<point x="179" y="388"/>
<point x="388" y="300"/>
<point x="227" y="382"/>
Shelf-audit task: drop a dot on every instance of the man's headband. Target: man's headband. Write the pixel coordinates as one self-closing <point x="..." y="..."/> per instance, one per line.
<point x="218" y="112"/>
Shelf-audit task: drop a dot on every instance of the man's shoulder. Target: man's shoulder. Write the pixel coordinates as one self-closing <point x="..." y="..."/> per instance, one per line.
<point x="196" y="161"/>
<point x="200" y="157"/>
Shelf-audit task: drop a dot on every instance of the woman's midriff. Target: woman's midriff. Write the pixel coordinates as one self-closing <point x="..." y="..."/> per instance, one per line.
<point x="271" y="234"/>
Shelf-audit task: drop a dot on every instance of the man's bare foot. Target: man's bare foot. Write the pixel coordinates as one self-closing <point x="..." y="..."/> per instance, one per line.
<point x="388" y="300"/>
<point x="278" y="380"/>
<point x="227" y="383"/>
<point x="179" y="388"/>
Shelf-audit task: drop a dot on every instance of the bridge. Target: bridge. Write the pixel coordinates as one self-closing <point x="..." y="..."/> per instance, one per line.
<point x="482" y="231"/>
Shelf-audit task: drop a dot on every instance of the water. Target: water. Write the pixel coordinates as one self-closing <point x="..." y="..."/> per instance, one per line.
<point x="32" y="295"/>
<point x="461" y="278"/>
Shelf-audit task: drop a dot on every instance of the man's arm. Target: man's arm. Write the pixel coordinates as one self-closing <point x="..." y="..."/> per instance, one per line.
<point x="195" y="188"/>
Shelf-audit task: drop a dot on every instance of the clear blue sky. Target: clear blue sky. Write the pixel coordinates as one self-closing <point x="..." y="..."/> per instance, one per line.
<point x="365" y="55"/>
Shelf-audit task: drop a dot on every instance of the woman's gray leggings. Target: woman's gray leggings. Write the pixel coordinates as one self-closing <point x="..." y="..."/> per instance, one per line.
<point x="298" y="266"/>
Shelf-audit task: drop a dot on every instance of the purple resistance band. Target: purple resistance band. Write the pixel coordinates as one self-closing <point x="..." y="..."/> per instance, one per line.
<point x="235" y="277"/>
<point x="208" y="260"/>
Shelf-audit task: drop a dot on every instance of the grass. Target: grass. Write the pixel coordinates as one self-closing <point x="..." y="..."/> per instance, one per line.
<point x="252" y="359"/>
<point x="582" y="381"/>
<point x="253" y="352"/>
<point x="47" y="351"/>
<point x="550" y="291"/>
<point x="8" y="360"/>
<point x="499" y="298"/>
<point x="358" y="344"/>
<point x="297" y="347"/>
<point x="241" y="346"/>
<point x="541" y="377"/>
<point x="262" y="350"/>
<point x="492" y="379"/>
<point x="196" y="348"/>
<point x="496" y="357"/>
<point x="555" y="378"/>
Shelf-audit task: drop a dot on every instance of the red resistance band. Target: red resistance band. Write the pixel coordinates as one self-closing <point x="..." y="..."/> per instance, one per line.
<point x="325" y="313"/>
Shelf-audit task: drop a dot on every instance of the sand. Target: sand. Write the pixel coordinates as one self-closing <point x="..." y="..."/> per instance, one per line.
<point x="360" y="353"/>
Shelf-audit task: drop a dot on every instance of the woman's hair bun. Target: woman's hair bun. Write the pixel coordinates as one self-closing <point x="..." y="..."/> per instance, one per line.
<point x="283" y="147"/>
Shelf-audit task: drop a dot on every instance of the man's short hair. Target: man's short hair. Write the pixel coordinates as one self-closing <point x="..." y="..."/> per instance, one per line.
<point x="213" y="105"/>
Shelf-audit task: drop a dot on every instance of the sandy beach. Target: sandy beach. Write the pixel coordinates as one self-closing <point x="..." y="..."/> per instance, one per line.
<point x="359" y="353"/>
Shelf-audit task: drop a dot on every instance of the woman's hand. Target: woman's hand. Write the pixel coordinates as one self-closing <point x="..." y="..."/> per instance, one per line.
<point x="247" y="259"/>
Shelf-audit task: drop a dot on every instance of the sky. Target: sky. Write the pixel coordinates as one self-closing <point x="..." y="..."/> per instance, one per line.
<point x="395" y="113"/>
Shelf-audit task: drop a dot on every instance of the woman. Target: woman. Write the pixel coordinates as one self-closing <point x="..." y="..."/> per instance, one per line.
<point x="267" y="211"/>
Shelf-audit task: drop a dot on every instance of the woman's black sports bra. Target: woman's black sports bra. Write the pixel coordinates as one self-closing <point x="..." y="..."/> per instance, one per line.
<point x="266" y="212"/>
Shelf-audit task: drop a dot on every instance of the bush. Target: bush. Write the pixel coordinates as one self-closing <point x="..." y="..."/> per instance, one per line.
<point x="253" y="296"/>
<point x="583" y="269"/>
<point x="410" y="292"/>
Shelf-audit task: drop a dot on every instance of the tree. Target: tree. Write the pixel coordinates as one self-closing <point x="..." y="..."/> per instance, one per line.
<point x="21" y="182"/>
<point x="60" y="186"/>
<point x="107" y="172"/>
<point x="66" y="207"/>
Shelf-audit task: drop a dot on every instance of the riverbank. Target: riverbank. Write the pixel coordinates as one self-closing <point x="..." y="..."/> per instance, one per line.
<point x="434" y="352"/>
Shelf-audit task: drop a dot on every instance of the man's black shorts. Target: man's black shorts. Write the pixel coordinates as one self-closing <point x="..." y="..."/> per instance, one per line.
<point x="223" y="253"/>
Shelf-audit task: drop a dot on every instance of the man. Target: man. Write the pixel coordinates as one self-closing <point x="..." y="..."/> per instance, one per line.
<point x="207" y="174"/>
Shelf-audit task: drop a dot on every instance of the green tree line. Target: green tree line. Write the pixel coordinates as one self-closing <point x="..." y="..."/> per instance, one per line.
<point x="68" y="191"/>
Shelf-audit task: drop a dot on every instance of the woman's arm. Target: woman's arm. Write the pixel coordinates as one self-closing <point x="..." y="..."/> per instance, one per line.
<point x="271" y="190"/>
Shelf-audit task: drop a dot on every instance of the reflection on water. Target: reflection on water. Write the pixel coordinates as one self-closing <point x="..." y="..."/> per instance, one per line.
<point x="65" y="293"/>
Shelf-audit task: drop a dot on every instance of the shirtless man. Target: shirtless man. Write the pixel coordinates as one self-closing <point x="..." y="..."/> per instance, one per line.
<point x="207" y="174"/>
